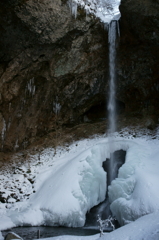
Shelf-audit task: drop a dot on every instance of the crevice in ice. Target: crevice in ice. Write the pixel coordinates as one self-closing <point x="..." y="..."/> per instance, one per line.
<point x="103" y="209"/>
<point x="119" y="160"/>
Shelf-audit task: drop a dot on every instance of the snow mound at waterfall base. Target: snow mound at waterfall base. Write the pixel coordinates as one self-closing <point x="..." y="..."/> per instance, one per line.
<point x="64" y="191"/>
<point x="68" y="184"/>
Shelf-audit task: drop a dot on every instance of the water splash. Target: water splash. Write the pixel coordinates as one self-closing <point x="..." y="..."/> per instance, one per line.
<point x="113" y="32"/>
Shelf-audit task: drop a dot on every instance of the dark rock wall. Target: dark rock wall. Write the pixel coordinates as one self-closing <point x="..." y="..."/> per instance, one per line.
<point x="48" y="62"/>
<point x="138" y="57"/>
<point x="54" y="69"/>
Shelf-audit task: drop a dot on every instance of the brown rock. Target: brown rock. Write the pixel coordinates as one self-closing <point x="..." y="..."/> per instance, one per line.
<point x="12" y="235"/>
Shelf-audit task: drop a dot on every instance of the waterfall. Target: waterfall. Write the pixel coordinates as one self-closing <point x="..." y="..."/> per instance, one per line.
<point x="112" y="35"/>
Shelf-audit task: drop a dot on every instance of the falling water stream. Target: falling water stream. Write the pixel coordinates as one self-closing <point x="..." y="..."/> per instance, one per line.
<point x="117" y="158"/>
<point x="112" y="36"/>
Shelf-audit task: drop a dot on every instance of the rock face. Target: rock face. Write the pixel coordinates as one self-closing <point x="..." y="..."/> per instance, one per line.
<point x="138" y="57"/>
<point x="54" y="68"/>
<point x="12" y="235"/>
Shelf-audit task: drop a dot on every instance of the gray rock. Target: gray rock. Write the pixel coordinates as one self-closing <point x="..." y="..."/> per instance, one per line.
<point x="12" y="235"/>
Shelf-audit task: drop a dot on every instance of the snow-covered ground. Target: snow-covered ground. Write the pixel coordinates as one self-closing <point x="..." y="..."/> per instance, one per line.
<point x="59" y="189"/>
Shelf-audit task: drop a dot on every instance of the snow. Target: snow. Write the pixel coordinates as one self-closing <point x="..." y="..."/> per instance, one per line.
<point x="1" y="237"/>
<point x="67" y="184"/>
<point x="135" y="192"/>
<point x="145" y="228"/>
<point x="105" y="10"/>
<point x="69" y="237"/>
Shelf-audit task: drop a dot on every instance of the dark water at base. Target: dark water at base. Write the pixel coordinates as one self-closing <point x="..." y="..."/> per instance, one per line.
<point x="28" y="233"/>
<point x="103" y="210"/>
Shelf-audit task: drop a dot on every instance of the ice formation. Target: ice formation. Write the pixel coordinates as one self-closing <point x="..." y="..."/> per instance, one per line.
<point x="72" y="188"/>
<point x="69" y="185"/>
<point x="30" y="87"/>
<point x="3" y="132"/>
<point x="56" y="106"/>
<point x="105" y="10"/>
<point x="135" y="192"/>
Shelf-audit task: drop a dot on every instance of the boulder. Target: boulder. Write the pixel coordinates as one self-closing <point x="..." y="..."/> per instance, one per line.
<point x="12" y="235"/>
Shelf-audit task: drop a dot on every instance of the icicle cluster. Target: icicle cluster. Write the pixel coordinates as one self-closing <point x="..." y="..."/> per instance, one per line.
<point x="56" y="106"/>
<point x="30" y="87"/>
<point x="106" y="10"/>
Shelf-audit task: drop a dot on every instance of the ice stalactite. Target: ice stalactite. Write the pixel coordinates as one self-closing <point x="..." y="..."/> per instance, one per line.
<point x="105" y="10"/>
<point x="30" y="87"/>
<point x="16" y="145"/>
<point x="3" y="133"/>
<point x="56" y="106"/>
<point x="73" y="7"/>
<point x="9" y="123"/>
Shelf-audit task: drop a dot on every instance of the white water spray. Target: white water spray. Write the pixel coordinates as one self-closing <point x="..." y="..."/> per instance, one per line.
<point x="112" y="34"/>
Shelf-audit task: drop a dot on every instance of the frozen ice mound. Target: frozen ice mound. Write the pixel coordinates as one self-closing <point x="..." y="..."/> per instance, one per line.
<point x="69" y="191"/>
<point x="135" y="192"/>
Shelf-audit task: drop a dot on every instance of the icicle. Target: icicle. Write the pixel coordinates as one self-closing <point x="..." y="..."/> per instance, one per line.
<point x="30" y="87"/>
<point x="56" y="106"/>
<point x="73" y="7"/>
<point x="9" y="123"/>
<point x="105" y="10"/>
<point x="3" y="132"/>
<point x="16" y="145"/>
